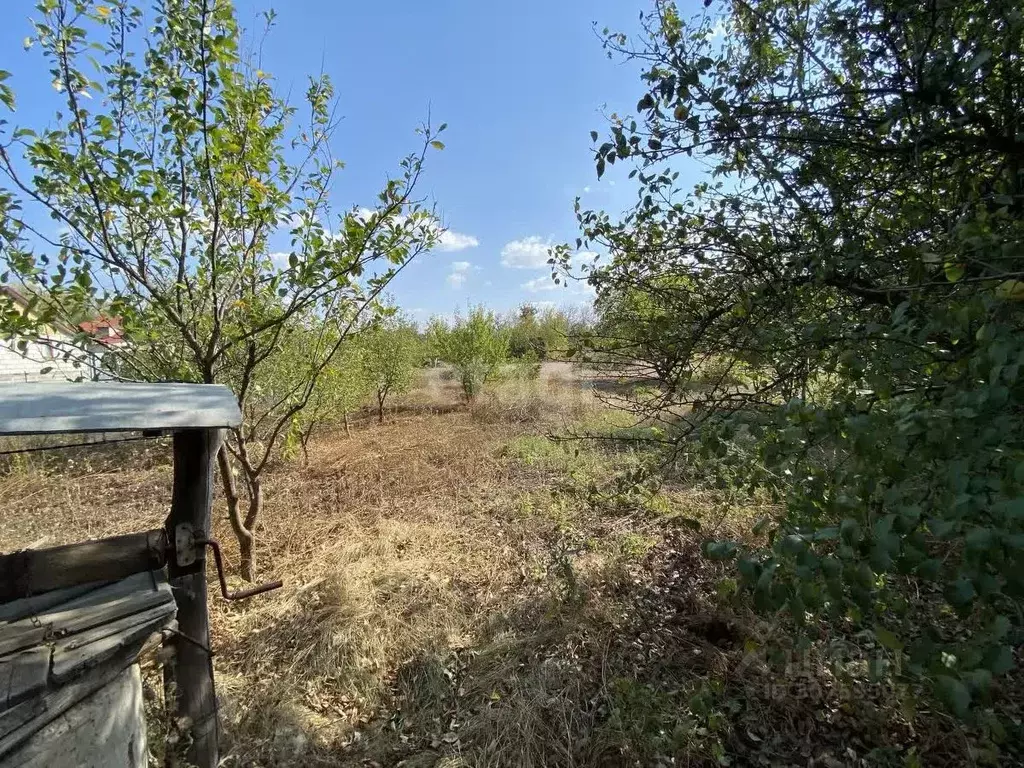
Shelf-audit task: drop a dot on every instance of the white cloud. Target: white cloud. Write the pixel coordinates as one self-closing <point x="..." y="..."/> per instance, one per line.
<point x="539" y="284"/>
<point x="460" y="271"/>
<point x="572" y="287"/>
<point x="449" y="241"/>
<point x="533" y="253"/>
<point x="586" y="190"/>
<point x="456" y="241"/>
<point x="528" y="253"/>
<point x="280" y="259"/>
<point x="583" y="257"/>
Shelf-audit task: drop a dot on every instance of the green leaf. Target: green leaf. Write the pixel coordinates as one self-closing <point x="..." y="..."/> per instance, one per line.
<point x="954" y="271"/>
<point x="942" y="528"/>
<point x="999" y="660"/>
<point x="1012" y="509"/>
<point x="961" y="592"/>
<point x="437" y="144"/>
<point x="793" y="544"/>
<point x="953" y="694"/>
<point x="1000" y="627"/>
<point x="929" y="569"/>
<point x="979" y="539"/>
<point x="720" y="550"/>
<point x="979" y="60"/>
<point x="888" y="640"/>
<point x="979" y="681"/>
<point x="849" y="531"/>
<point x="593" y="135"/>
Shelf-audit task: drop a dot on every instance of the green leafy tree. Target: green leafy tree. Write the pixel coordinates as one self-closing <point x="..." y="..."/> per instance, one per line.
<point x="340" y="389"/>
<point x="546" y="334"/>
<point x="169" y="167"/>
<point x="853" y="270"/>
<point x="476" y="346"/>
<point x="347" y="388"/>
<point x="523" y="334"/>
<point x="391" y="354"/>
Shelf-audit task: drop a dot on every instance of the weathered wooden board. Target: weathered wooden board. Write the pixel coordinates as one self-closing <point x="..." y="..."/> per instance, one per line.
<point x="22" y="721"/>
<point x="147" y="581"/>
<point x="17" y="638"/>
<point x="50" y="408"/>
<point x="23" y="674"/>
<point x="30" y="606"/>
<point x="100" y="606"/>
<point x="106" y="728"/>
<point x="35" y="571"/>
<point x="89" y="649"/>
<point x="67" y="650"/>
<point x="14" y="720"/>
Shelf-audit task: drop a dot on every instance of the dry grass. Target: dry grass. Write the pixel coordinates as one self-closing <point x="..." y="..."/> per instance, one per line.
<point x="462" y="591"/>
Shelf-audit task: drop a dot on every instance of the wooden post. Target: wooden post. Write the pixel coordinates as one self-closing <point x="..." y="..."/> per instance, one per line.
<point x="190" y="673"/>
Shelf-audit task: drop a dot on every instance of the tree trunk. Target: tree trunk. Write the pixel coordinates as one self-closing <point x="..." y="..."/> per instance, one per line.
<point x="348" y="429"/>
<point x="380" y="406"/>
<point x="240" y="527"/>
<point x="247" y="557"/>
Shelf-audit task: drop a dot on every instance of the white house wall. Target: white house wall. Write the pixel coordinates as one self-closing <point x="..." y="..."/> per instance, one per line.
<point x="28" y="365"/>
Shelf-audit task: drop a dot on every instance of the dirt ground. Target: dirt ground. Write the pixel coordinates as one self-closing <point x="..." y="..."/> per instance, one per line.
<point x="461" y="590"/>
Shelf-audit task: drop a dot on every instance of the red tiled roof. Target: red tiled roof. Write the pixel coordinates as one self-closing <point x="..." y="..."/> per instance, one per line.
<point x="105" y="330"/>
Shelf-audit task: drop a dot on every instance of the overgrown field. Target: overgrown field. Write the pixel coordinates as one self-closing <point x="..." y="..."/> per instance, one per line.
<point x="462" y="590"/>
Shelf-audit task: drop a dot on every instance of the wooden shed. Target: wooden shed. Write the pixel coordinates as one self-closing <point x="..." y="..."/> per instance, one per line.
<point x="74" y="619"/>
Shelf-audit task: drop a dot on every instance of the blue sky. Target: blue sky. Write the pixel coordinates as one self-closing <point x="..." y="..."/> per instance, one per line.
<point x="520" y="85"/>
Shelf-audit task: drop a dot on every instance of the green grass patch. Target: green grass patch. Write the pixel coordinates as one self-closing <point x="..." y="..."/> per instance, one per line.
<point x="619" y="425"/>
<point x="536" y="450"/>
<point x="649" y="723"/>
<point x="633" y="546"/>
<point x="581" y="462"/>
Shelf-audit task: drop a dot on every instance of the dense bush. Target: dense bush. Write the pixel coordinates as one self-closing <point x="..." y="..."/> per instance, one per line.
<point x="849" y="296"/>
<point x="475" y="345"/>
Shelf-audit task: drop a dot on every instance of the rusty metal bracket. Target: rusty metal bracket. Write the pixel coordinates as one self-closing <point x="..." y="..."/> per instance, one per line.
<point x="186" y="545"/>
<point x="241" y="594"/>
